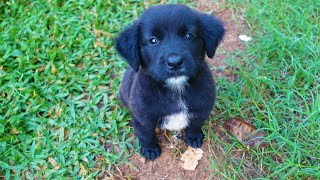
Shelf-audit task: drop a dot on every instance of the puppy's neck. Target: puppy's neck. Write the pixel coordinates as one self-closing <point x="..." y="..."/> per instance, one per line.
<point x="177" y="84"/>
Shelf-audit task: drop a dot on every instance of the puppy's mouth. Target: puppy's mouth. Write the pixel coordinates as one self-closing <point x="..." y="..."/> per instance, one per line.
<point x="177" y="73"/>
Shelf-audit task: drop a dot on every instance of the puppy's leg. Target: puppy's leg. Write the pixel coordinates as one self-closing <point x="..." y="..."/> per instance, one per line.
<point x="147" y="139"/>
<point x="193" y="133"/>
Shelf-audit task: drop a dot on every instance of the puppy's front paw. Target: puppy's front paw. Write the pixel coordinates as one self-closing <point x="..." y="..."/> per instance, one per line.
<point x="151" y="153"/>
<point x="194" y="140"/>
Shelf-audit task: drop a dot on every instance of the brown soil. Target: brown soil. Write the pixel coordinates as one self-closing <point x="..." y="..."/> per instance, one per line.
<point x="234" y="25"/>
<point x="168" y="165"/>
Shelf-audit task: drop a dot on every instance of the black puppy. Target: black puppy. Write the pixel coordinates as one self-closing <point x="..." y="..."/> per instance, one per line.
<point x="168" y="83"/>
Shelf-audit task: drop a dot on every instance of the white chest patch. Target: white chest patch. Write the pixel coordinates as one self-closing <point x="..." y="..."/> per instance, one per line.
<point x="179" y="120"/>
<point x="176" y="121"/>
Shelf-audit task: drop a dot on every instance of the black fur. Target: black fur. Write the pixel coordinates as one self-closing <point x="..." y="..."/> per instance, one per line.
<point x="144" y="89"/>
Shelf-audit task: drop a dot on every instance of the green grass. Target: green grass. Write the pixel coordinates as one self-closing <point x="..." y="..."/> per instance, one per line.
<point x="278" y="90"/>
<point x="57" y="63"/>
<point x="58" y="66"/>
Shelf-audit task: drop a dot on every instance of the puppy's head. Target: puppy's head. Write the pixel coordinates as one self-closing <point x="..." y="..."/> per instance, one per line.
<point x="170" y="41"/>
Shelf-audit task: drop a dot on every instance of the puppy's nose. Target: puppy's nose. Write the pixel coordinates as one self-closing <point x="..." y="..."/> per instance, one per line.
<point x="174" y="62"/>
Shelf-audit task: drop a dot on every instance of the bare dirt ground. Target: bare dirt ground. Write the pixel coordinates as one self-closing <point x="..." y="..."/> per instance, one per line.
<point x="168" y="165"/>
<point x="234" y="25"/>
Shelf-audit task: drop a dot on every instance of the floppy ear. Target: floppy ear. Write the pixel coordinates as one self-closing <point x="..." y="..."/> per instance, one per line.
<point x="212" y="33"/>
<point x="128" y="47"/>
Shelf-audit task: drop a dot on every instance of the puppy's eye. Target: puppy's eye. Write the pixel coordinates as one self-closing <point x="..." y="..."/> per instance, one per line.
<point x="153" y="41"/>
<point x="189" y="36"/>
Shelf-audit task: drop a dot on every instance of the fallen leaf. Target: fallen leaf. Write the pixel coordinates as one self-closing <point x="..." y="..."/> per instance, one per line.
<point x="54" y="163"/>
<point x="50" y="111"/>
<point x="245" y="132"/>
<point x="83" y="171"/>
<point x="190" y="158"/>
<point x="14" y="131"/>
<point x="111" y="98"/>
<point x="256" y="140"/>
<point x="41" y="68"/>
<point x="58" y="112"/>
<point x="53" y="69"/>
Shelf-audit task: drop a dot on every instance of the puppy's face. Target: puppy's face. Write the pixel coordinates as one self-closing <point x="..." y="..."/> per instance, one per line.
<point x="170" y="41"/>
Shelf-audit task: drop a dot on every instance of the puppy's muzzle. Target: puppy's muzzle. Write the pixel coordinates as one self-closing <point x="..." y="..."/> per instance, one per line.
<point x="174" y="62"/>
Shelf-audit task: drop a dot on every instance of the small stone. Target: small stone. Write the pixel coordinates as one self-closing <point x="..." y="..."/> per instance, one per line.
<point x="142" y="160"/>
<point x="245" y="38"/>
